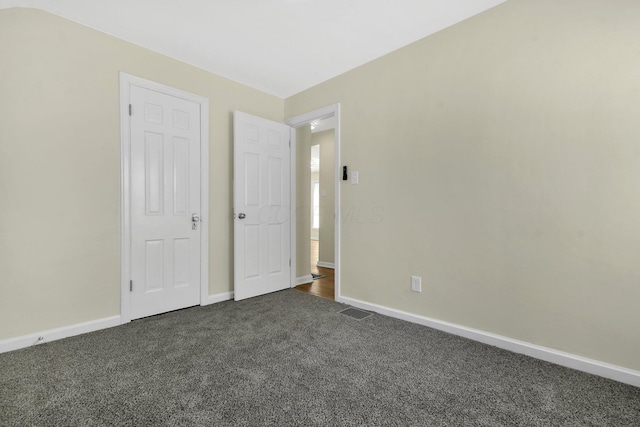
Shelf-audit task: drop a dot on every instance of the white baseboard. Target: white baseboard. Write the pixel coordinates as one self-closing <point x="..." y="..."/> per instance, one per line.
<point x="81" y="328"/>
<point x="595" y="367"/>
<point x="303" y="280"/>
<point x="326" y="264"/>
<point x="215" y="298"/>
<point x="58" y="333"/>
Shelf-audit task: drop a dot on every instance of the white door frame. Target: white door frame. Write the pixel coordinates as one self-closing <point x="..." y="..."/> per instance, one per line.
<point x="126" y="81"/>
<point x="296" y="122"/>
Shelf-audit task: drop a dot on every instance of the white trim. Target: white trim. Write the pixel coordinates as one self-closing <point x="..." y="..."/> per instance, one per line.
<point x="579" y="363"/>
<point x="126" y="81"/>
<point x="125" y="206"/>
<point x="326" y="264"/>
<point x="304" y="280"/>
<point x="216" y="298"/>
<point x="337" y="209"/>
<point x="302" y="120"/>
<point x="58" y="333"/>
<point x="292" y="200"/>
<point x="319" y="114"/>
<point x="204" y="197"/>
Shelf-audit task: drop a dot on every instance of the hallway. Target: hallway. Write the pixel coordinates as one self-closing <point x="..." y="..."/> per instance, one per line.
<point x="323" y="287"/>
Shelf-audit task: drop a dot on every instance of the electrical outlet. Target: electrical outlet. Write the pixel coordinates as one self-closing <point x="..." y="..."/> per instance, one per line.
<point x="416" y="284"/>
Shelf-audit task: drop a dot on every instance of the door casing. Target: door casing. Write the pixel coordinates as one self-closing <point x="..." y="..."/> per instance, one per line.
<point x="296" y="122"/>
<point x="126" y="81"/>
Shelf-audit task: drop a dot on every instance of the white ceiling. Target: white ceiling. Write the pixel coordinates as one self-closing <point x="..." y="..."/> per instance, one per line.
<point x="278" y="46"/>
<point x="325" y="124"/>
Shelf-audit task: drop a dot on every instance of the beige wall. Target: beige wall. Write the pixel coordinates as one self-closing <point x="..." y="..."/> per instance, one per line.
<point x="303" y="201"/>
<point x="326" y="234"/>
<point x="60" y="167"/>
<point x="500" y="160"/>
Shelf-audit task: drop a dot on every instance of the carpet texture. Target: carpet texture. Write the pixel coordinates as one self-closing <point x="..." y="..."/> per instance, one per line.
<point x="290" y="358"/>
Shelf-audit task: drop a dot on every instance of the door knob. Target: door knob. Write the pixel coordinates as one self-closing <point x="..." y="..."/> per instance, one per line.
<point x="195" y="218"/>
<point x="241" y="216"/>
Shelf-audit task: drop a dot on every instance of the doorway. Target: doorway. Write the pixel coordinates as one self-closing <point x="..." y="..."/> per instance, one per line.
<point x="319" y="255"/>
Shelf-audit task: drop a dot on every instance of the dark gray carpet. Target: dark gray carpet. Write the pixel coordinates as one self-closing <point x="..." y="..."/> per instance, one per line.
<point x="290" y="358"/>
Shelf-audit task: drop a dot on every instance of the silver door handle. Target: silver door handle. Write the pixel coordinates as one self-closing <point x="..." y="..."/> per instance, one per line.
<point x="195" y="218"/>
<point x="241" y="216"/>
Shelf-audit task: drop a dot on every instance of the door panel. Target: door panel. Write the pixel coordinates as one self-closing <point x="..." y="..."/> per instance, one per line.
<point x="262" y="195"/>
<point x="180" y="176"/>
<point x="154" y="181"/>
<point x="154" y="270"/>
<point x="165" y="193"/>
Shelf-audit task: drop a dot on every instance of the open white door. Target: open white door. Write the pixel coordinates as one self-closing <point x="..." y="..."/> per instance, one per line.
<point x="262" y="182"/>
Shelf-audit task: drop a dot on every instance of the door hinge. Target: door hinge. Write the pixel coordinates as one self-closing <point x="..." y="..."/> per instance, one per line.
<point x="130" y="285"/>
<point x="129" y="109"/>
<point x="289" y="142"/>
<point x="289" y="262"/>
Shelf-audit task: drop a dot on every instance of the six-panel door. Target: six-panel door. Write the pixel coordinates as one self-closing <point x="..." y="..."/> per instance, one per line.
<point x="165" y="195"/>
<point x="262" y="227"/>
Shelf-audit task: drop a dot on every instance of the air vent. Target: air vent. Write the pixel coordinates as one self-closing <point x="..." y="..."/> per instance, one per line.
<point x="355" y="313"/>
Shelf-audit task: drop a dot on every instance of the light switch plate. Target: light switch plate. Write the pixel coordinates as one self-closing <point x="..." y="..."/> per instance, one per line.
<point x="416" y="284"/>
<point x="354" y="177"/>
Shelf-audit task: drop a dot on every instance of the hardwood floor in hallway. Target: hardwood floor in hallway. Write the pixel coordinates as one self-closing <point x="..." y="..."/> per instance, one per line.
<point x="324" y="287"/>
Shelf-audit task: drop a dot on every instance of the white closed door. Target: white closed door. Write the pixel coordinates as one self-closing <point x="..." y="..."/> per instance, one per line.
<point x="262" y="227"/>
<point x="165" y="203"/>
